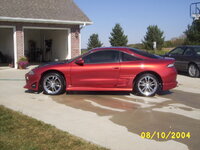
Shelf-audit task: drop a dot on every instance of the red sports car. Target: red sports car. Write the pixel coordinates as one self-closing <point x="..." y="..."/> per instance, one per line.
<point x="106" y="69"/>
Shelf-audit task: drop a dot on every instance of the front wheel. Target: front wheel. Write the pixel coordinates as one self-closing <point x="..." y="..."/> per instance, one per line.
<point x="53" y="84"/>
<point x="146" y="85"/>
<point x="193" y="70"/>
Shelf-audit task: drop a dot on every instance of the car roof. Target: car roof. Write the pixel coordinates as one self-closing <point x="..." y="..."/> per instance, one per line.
<point x="136" y="52"/>
<point x="183" y="46"/>
<point x="108" y="48"/>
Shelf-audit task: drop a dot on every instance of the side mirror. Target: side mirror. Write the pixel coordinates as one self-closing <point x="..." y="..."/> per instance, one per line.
<point x="164" y="55"/>
<point x="80" y="62"/>
<point x="171" y="55"/>
<point x="167" y="55"/>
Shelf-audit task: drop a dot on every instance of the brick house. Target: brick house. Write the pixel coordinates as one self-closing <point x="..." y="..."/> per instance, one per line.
<point x="42" y="30"/>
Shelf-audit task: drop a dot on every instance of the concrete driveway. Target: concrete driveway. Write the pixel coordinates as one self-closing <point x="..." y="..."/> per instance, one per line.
<point x="112" y="119"/>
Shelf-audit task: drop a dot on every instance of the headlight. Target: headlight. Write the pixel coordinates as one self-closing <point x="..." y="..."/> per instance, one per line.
<point x="170" y="65"/>
<point x="31" y="72"/>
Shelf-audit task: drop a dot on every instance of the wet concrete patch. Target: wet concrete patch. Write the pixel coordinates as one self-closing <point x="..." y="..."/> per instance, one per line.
<point x="137" y="118"/>
<point x="80" y="101"/>
<point x="145" y="120"/>
<point x="187" y="98"/>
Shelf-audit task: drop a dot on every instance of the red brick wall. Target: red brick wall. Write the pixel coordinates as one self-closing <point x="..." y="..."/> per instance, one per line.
<point x="75" y="30"/>
<point x="75" y="41"/>
<point x="20" y="41"/>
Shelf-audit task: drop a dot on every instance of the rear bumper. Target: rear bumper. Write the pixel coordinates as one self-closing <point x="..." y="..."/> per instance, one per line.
<point x="169" y="79"/>
<point x="198" y="65"/>
<point x="168" y="86"/>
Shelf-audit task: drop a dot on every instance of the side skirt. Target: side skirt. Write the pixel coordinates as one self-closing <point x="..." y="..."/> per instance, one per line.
<point x="96" y="89"/>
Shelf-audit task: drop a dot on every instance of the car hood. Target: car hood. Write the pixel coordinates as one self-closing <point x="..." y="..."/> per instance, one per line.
<point x="53" y="63"/>
<point x="168" y="58"/>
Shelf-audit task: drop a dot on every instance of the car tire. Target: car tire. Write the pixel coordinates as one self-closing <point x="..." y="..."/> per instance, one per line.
<point x="193" y="71"/>
<point x="53" y="84"/>
<point x="146" y="85"/>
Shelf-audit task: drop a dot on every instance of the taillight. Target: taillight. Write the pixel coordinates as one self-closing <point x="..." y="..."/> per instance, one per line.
<point x="170" y="65"/>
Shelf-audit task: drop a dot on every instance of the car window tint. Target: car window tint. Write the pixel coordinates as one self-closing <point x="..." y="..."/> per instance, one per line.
<point x="177" y="51"/>
<point x="107" y="56"/>
<point x="143" y="53"/>
<point x="188" y="52"/>
<point x="197" y="50"/>
<point x="127" y="57"/>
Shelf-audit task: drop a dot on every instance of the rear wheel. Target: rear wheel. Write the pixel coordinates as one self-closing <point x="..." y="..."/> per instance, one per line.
<point x="193" y="70"/>
<point x="53" y="84"/>
<point x="146" y="85"/>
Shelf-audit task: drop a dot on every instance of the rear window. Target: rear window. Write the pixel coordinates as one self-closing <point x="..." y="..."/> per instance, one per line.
<point x="143" y="53"/>
<point x="127" y="57"/>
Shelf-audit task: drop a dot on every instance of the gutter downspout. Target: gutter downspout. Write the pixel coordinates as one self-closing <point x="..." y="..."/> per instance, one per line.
<point x="83" y="26"/>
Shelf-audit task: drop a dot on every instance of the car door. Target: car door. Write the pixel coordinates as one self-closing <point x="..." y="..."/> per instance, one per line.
<point x="129" y="69"/>
<point x="177" y="54"/>
<point x="188" y="56"/>
<point x="100" y="70"/>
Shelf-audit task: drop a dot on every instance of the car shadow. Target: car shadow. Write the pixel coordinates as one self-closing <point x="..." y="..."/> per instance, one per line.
<point x="162" y="93"/>
<point x="97" y="93"/>
<point x="112" y="93"/>
<point x="33" y="92"/>
<point x="186" y="74"/>
<point x="183" y="73"/>
<point x="120" y="93"/>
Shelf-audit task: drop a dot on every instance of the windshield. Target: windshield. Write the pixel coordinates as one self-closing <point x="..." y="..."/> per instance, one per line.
<point x="70" y="60"/>
<point x="144" y="53"/>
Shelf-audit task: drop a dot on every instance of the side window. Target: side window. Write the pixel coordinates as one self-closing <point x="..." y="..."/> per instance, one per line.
<point x="177" y="51"/>
<point x="188" y="52"/>
<point x="197" y="51"/>
<point x="106" y="56"/>
<point x="127" y="57"/>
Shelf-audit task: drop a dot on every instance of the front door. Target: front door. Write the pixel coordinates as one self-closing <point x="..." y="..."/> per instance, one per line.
<point x="100" y="70"/>
<point x="177" y="54"/>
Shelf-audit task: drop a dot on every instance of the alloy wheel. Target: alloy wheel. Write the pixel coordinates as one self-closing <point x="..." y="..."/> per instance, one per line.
<point x="52" y="84"/>
<point x="147" y="85"/>
<point x="193" y="71"/>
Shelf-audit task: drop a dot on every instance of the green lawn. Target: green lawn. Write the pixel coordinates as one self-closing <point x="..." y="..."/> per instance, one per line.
<point x="157" y="52"/>
<point x="19" y="132"/>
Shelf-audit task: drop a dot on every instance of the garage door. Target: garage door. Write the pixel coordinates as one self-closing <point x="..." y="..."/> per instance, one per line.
<point x="6" y="46"/>
<point x="43" y="45"/>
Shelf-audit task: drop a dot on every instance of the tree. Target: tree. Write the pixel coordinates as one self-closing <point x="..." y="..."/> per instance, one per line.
<point x="176" y="41"/>
<point x="117" y="37"/>
<point x="94" y="42"/>
<point x="193" y="33"/>
<point x="153" y="34"/>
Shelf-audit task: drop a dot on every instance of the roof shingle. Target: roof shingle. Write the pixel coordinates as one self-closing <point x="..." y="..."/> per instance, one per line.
<point x="63" y="10"/>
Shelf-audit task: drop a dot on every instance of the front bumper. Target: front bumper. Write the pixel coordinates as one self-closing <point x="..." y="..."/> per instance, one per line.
<point x="32" y="82"/>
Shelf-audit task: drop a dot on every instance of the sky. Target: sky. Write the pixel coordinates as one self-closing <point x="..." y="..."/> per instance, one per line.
<point x="171" y="16"/>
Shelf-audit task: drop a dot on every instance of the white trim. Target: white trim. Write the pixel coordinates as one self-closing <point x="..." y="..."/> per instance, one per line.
<point x="14" y="43"/>
<point x="1" y="26"/>
<point x="50" y="28"/>
<point x="80" y="43"/>
<point x="15" y="47"/>
<point x="69" y="56"/>
<point x="44" y="28"/>
<point x="18" y="19"/>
